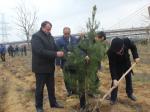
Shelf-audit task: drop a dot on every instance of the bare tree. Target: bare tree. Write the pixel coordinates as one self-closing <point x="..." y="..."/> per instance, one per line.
<point x="26" y="19"/>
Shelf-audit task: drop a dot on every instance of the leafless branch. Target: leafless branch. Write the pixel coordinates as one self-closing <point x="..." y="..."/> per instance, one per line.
<point x="25" y="19"/>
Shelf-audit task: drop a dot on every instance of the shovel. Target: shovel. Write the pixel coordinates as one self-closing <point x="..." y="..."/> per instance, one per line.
<point x="112" y="88"/>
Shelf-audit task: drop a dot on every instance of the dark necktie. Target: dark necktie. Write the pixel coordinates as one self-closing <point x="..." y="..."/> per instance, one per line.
<point x="67" y="40"/>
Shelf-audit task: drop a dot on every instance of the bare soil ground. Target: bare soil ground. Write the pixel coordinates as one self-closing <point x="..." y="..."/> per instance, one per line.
<point x="17" y="86"/>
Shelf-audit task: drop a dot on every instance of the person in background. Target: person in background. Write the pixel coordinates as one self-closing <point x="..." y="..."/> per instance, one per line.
<point x="25" y="50"/>
<point x="17" y="50"/>
<point x="2" y="52"/>
<point x="44" y="52"/>
<point x="82" y="36"/>
<point x="100" y="36"/>
<point x="119" y="63"/>
<point x="11" y="51"/>
<point x="22" y="50"/>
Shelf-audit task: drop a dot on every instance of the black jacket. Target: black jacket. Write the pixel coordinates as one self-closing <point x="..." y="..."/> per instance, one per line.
<point x="118" y="64"/>
<point x="43" y="52"/>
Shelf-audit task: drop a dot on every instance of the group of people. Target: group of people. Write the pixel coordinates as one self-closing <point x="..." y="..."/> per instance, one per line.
<point x="12" y="51"/>
<point x="46" y="53"/>
<point x="17" y="50"/>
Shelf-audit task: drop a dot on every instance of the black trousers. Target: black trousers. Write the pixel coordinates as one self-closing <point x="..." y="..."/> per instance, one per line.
<point x="41" y="80"/>
<point x="129" y="89"/>
<point x="82" y="100"/>
<point x="12" y="53"/>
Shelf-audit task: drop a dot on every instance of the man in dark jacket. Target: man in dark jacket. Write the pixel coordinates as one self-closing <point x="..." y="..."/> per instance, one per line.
<point x="100" y="36"/>
<point x="11" y="51"/>
<point x="119" y="63"/>
<point x="64" y="43"/>
<point x="25" y="50"/>
<point x="44" y="52"/>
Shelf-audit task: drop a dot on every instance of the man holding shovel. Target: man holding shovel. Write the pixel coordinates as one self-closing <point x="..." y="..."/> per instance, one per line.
<point x="119" y="63"/>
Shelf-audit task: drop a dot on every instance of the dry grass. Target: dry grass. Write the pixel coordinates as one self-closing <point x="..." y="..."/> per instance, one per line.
<point x="17" y="86"/>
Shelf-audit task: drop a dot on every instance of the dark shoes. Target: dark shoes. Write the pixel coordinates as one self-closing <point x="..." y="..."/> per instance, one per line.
<point x="132" y="97"/>
<point x="39" y="110"/>
<point x="69" y="94"/>
<point x="56" y="105"/>
<point x="112" y="102"/>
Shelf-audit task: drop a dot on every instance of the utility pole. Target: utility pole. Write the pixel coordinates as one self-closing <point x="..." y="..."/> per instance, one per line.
<point x="3" y="29"/>
<point x="148" y="33"/>
<point x="149" y="11"/>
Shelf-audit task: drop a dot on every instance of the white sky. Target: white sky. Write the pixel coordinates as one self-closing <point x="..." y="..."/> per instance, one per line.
<point x="74" y="13"/>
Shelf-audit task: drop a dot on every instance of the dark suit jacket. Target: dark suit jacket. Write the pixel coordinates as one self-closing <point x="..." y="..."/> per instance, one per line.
<point x="62" y="43"/>
<point x="43" y="52"/>
<point x="118" y="64"/>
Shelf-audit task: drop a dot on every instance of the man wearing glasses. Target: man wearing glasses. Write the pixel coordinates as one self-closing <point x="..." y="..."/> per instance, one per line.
<point x="119" y="63"/>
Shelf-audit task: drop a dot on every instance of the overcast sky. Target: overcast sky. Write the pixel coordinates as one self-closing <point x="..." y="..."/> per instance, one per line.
<point x="111" y="14"/>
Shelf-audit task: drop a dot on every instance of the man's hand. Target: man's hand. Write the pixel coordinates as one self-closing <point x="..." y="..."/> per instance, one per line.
<point x="69" y="53"/>
<point x="115" y="83"/>
<point x="87" y="58"/>
<point x="60" y="53"/>
<point x="137" y="60"/>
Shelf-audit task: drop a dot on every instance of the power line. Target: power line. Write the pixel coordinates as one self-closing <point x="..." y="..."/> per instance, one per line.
<point x="131" y="15"/>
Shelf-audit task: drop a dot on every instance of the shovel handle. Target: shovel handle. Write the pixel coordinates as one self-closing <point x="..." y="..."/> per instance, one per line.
<point x="112" y="88"/>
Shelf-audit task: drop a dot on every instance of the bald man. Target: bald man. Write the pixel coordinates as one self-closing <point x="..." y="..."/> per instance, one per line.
<point x="64" y="43"/>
